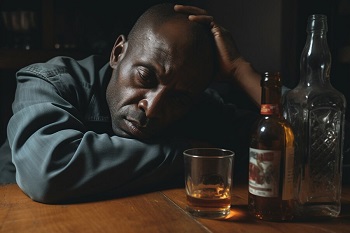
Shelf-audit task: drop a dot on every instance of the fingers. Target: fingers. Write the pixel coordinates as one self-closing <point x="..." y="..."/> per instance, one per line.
<point x="225" y="44"/>
<point x="201" y="18"/>
<point x="219" y="31"/>
<point x="196" y="14"/>
<point x="215" y="29"/>
<point x="190" y="10"/>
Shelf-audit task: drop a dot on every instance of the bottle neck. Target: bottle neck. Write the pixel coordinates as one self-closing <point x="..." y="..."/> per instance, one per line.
<point x="270" y="100"/>
<point x="315" y="61"/>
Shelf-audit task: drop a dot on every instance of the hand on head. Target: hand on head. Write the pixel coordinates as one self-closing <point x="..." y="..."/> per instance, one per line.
<point x="225" y="44"/>
<point x="232" y="66"/>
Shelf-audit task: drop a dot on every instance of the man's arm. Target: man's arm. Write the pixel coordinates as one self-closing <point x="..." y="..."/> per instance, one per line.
<point x="57" y="159"/>
<point x="247" y="78"/>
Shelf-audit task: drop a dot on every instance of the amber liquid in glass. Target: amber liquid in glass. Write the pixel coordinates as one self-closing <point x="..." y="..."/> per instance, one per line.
<point x="208" y="203"/>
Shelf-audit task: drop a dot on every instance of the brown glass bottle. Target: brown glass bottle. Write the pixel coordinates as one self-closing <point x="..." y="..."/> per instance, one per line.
<point x="271" y="157"/>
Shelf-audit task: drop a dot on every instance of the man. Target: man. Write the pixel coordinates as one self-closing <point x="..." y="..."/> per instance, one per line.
<point x="83" y="129"/>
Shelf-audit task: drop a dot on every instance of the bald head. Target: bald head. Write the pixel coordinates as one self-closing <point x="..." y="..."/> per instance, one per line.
<point x="159" y="14"/>
<point x="161" y="19"/>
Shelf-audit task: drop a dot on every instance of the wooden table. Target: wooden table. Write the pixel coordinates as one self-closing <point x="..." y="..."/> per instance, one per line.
<point x="162" y="211"/>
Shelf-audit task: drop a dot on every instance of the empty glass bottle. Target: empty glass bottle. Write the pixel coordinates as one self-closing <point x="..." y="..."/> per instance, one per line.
<point x="316" y="112"/>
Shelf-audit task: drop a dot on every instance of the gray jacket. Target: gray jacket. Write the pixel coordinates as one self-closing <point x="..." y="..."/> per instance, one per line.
<point x="63" y="147"/>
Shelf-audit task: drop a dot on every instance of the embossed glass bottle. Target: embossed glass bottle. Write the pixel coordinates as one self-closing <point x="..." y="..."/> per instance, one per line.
<point x="316" y="112"/>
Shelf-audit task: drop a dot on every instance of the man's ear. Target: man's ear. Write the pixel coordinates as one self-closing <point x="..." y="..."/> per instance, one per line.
<point x="117" y="51"/>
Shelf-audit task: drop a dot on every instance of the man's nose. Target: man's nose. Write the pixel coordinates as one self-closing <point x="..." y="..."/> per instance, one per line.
<point x="151" y="104"/>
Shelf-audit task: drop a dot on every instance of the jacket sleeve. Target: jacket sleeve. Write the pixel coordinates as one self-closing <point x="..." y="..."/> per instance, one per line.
<point x="57" y="159"/>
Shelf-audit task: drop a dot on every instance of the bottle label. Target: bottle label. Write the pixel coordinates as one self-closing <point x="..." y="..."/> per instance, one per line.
<point x="264" y="173"/>
<point x="269" y="109"/>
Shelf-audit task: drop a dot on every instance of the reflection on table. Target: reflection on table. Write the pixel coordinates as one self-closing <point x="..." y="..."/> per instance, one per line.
<point x="160" y="211"/>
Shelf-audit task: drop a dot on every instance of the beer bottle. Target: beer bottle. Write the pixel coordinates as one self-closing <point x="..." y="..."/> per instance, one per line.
<point x="271" y="157"/>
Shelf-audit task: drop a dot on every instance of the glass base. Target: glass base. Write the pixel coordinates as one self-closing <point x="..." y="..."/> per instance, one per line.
<point x="322" y="210"/>
<point x="213" y="214"/>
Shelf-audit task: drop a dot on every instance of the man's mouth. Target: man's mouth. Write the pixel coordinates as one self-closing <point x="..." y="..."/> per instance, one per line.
<point x="134" y="129"/>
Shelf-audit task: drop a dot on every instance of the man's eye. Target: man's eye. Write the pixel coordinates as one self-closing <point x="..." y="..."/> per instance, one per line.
<point x="146" y="77"/>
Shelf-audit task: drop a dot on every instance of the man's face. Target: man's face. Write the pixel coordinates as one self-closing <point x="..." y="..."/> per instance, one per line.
<point x="155" y="82"/>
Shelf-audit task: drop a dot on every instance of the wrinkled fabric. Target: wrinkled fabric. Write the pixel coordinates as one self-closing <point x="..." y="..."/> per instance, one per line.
<point x="63" y="147"/>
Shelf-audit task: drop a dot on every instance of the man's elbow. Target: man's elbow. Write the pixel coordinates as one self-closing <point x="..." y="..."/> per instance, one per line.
<point x="41" y="190"/>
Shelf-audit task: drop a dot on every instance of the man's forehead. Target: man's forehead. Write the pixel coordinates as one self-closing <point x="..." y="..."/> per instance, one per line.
<point x="168" y="46"/>
<point x="165" y="50"/>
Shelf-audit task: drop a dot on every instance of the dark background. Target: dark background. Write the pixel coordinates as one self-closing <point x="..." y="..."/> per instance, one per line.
<point x="270" y="34"/>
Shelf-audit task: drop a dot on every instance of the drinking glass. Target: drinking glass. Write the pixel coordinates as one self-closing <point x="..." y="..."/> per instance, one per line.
<point x="208" y="181"/>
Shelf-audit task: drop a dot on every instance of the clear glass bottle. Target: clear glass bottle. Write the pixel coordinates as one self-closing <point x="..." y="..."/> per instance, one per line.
<point x="316" y="112"/>
<point x="271" y="157"/>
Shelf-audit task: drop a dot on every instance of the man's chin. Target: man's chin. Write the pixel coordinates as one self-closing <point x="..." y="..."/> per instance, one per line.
<point x="119" y="132"/>
<point x="122" y="134"/>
